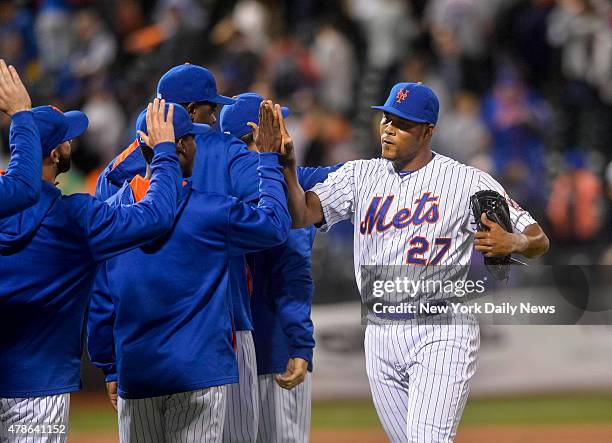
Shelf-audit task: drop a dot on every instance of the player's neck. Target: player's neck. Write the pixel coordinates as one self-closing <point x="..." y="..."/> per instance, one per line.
<point x="49" y="173"/>
<point x="417" y="162"/>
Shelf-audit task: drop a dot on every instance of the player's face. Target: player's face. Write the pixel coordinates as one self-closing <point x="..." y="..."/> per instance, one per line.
<point x="402" y="139"/>
<point x="186" y="148"/>
<point x="203" y="112"/>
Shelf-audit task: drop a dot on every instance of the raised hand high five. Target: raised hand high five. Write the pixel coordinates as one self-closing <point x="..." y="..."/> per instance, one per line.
<point x="13" y="95"/>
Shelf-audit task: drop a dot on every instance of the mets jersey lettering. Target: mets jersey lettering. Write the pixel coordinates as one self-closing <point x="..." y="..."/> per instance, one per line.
<point x="377" y="213"/>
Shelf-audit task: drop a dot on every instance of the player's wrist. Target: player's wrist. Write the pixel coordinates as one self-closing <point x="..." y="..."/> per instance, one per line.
<point x="521" y="242"/>
<point x="13" y="111"/>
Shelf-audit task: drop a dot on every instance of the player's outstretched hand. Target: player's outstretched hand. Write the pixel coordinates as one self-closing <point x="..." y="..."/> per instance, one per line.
<point x="255" y="127"/>
<point x="294" y="374"/>
<point x="287" y="151"/>
<point x="111" y="389"/>
<point x="497" y="242"/>
<point x="13" y="95"/>
<point x="268" y="137"/>
<point x="159" y="127"/>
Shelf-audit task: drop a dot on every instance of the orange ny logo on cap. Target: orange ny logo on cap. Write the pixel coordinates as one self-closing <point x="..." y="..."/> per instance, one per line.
<point x="401" y="95"/>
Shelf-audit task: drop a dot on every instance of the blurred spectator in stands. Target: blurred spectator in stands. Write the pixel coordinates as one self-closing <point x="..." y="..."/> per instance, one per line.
<point x="517" y="119"/>
<point x="291" y="70"/>
<point x="461" y="31"/>
<point x="192" y="15"/>
<point x="576" y="208"/>
<point x="574" y="27"/>
<point x="601" y="74"/>
<point x="95" y="47"/>
<point x="462" y="134"/>
<point x="521" y="32"/>
<point x="335" y="61"/>
<point x="388" y="28"/>
<point x="17" y="43"/>
<point x="106" y="121"/>
<point x="571" y="26"/>
<point x="251" y="19"/>
<point x="52" y="36"/>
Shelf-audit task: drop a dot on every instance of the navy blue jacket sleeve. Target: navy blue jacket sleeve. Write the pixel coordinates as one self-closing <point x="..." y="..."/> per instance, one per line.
<point x="243" y="165"/>
<point x="20" y="185"/>
<point x="295" y="299"/>
<point x="253" y="228"/>
<point x="308" y="177"/>
<point x="113" y="230"/>
<point x="100" y="321"/>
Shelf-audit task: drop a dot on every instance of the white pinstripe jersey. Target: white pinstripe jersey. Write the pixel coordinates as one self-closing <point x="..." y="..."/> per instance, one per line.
<point x="423" y="218"/>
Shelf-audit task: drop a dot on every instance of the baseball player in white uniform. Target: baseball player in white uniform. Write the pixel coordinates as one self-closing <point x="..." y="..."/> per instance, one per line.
<point x="411" y="208"/>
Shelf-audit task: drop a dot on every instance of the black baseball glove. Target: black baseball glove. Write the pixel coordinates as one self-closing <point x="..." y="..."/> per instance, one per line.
<point x="496" y="208"/>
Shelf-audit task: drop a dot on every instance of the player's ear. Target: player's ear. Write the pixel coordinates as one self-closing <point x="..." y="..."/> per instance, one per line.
<point x="180" y="147"/>
<point x="55" y="154"/>
<point x="429" y="131"/>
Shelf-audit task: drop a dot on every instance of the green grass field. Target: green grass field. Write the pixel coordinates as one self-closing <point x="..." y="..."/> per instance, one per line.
<point x="519" y="411"/>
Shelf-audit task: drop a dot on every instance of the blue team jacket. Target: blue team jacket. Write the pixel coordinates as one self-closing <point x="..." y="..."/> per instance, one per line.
<point x="282" y="293"/>
<point x="172" y="314"/>
<point x="48" y="258"/>
<point x="223" y="165"/>
<point x="21" y="183"/>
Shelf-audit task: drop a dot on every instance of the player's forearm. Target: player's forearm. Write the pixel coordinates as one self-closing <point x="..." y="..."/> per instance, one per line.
<point x="296" y="198"/>
<point x="532" y="242"/>
<point x="20" y="186"/>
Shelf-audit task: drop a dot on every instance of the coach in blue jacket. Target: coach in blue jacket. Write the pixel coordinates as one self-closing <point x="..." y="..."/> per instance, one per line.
<point x="20" y="183"/>
<point x="280" y="303"/>
<point x="48" y="257"/>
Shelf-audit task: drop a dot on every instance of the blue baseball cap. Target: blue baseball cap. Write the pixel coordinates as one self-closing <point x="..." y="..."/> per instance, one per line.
<point x="412" y="101"/>
<point x="233" y="119"/>
<point x="56" y="127"/>
<point x="181" y="121"/>
<point x="189" y="83"/>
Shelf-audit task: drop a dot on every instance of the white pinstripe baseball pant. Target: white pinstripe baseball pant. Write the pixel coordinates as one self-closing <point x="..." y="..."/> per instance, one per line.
<point x="284" y="416"/>
<point x="242" y="416"/>
<point x="48" y="410"/>
<point x="419" y="376"/>
<point x="187" y="417"/>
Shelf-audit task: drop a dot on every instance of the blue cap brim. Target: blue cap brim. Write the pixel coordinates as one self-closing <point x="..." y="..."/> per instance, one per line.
<point x="394" y="111"/>
<point x="222" y="100"/>
<point x="285" y="111"/>
<point x="77" y="124"/>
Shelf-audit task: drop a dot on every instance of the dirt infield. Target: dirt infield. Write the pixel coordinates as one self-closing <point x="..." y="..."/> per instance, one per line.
<point x="480" y="434"/>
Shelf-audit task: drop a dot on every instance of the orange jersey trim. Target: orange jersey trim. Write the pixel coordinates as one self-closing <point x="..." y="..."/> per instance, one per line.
<point x="140" y="186"/>
<point x="126" y="152"/>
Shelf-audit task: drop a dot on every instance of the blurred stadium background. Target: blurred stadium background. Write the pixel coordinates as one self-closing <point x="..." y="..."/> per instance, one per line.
<point x="526" y="94"/>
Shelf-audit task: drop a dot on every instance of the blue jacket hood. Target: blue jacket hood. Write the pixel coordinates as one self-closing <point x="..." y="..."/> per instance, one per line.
<point x="18" y="229"/>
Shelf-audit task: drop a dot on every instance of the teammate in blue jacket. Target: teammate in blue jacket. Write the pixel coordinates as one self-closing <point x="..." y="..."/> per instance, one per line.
<point x="281" y="301"/>
<point x="173" y="323"/>
<point x="20" y="184"/>
<point x="48" y="257"/>
<point x="222" y="165"/>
